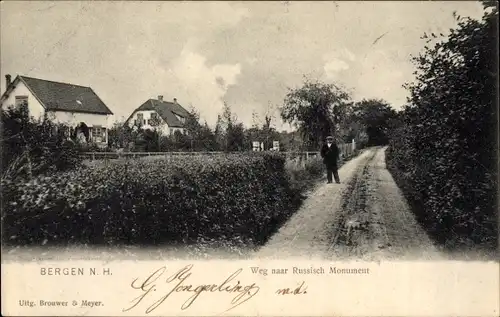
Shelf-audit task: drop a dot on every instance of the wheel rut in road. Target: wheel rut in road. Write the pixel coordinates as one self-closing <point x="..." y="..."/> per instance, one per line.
<point x="353" y="231"/>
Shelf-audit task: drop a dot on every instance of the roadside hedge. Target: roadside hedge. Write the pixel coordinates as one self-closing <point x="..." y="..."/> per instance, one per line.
<point x="235" y="197"/>
<point x="454" y="199"/>
<point x="443" y="152"/>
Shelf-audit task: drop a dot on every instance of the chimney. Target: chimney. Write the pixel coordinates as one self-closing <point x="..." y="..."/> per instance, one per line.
<point x="175" y="100"/>
<point x="7" y="81"/>
<point x="160" y="98"/>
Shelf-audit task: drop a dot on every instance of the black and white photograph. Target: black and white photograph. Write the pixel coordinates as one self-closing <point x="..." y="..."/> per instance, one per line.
<point x="329" y="130"/>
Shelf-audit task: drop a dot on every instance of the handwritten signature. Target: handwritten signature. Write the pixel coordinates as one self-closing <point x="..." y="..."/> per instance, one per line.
<point x="148" y="287"/>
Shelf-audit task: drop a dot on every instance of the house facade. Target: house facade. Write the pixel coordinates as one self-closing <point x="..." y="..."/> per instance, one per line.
<point x="62" y="103"/>
<point x="164" y="116"/>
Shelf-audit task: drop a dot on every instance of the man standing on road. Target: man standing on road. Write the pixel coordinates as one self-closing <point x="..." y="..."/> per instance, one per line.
<point x="330" y="153"/>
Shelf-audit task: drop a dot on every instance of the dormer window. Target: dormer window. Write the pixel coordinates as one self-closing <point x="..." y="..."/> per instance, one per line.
<point x="181" y="119"/>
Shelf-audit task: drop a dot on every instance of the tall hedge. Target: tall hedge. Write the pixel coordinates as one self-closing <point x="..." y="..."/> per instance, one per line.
<point x="445" y="148"/>
<point x="234" y="197"/>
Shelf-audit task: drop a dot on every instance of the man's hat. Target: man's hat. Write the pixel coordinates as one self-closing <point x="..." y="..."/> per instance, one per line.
<point x="329" y="137"/>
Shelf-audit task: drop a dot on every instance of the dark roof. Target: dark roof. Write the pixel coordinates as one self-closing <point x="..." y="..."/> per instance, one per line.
<point x="65" y="97"/>
<point x="166" y="110"/>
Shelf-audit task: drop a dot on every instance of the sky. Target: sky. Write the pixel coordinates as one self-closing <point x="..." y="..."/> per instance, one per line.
<point x="247" y="54"/>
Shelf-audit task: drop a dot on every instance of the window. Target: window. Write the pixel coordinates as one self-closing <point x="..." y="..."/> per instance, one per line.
<point x="22" y="101"/>
<point x="155" y="119"/>
<point x="181" y="119"/>
<point x="140" y="119"/>
<point x="99" y="134"/>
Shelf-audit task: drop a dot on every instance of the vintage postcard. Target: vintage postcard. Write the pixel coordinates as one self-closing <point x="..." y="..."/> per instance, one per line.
<point x="238" y="158"/>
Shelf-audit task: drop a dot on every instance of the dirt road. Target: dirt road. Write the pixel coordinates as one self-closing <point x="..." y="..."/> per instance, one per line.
<point x="363" y="218"/>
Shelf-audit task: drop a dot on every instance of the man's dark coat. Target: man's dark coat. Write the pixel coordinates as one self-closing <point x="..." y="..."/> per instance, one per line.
<point x="330" y="155"/>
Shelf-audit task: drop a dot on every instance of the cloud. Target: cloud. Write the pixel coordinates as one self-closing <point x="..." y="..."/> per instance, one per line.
<point x="337" y="61"/>
<point x="334" y="66"/>
<point x="204" y="86"/>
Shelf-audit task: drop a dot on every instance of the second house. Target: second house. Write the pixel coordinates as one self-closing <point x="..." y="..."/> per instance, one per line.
<point x="167" y="117"/>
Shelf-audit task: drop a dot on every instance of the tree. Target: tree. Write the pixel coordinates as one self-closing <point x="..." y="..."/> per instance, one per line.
<point x="317" y="109"/>
<point x="453" y="95"/>
<point x="374" y="115"/>
<point x="219" y="133"/>
<point x="192" y="124"/>
<point x="201" y="137"/>
<point x="120" y="135"/>
<point x="355" y="130"/>
<point x="193" y="129"/>
<point x="229" y="133"/>
<point x="151" y="140"/>
<point x="267" y="132"/>
<point x="182" y="141"/>
<point x="235" y="137"/>
<point x="207" y="139"/>
<point x="225" y="119"/>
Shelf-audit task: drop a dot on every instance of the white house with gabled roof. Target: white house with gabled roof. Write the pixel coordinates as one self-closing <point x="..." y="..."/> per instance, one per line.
<point x="62" y="102"/>
<point x="166" y="116"/>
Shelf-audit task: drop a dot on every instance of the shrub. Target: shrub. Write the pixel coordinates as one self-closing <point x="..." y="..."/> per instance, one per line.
<point x="33" y="147"/>
<point x="238" y="197"/>
<point x="443" y="152"/>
